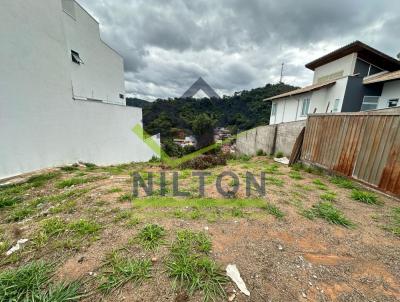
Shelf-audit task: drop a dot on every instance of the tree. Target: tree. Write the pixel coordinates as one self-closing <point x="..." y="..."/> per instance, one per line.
<point x="203" y="129"/>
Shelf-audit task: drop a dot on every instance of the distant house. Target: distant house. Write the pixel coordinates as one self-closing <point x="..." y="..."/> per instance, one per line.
<point x="353" y="78"/>
<point x="188" y="141"/>
<point x="62" y="94"/>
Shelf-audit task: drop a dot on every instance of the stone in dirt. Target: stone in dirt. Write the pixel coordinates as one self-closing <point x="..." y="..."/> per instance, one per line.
<point x="17" y="247"/>
<point x="233" y="273"/>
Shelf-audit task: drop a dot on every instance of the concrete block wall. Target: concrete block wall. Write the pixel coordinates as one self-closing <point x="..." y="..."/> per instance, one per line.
<point x="263" y="137"/>
<point x="287" y="134"/>
<point x="260" y="138"/>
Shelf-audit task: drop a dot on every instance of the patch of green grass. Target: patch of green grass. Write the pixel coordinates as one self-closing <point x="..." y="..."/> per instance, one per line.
<point x="71" y="182"/>
<point x="273" y="180"/>
<point x="123" y="215"/>
<point x="41" y="179"/>
<point x="364" y="196"/>
<point x="195" y="213"/>
<point x="394" y="224"/>
<point x="279" y="154"/>
<point x="297" y="166"/>
<point x="191" y="242"/>
<point x="84" y="227"/>
<point x="89" y="166"/>
<point x="53" y="226"/>
<point x="120" y="271"/>
<point x="133" y="221"/>
<point x="68" y="207"/>
<point x="72" y="168"/>
<point x="236" y="212"/>
<point x="273" y="210"/>
<point x="326" y="210"/>
<point x="320" y="184"/>
<point x="272" y="169"/>
<point x="191" y="268"/>
<point x="295" y="175"/>
<point x="125" y="197"/>
<point x="114" y="190"/>
<point x="31" y="282"/>
<point x="151" y="236"/>
<point x="170" y="202"/>
<point x="343" y="182"/>
<point x="20" y="214"/>
<point x="328" y="196"/>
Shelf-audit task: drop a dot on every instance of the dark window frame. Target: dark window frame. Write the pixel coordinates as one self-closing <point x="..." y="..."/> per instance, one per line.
<point x="76" y="57"/>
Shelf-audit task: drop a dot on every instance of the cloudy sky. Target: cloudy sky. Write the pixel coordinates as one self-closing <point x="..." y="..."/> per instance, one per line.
<point x="235" y="44"/>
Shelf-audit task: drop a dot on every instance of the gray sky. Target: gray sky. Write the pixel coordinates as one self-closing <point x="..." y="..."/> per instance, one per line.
<point x="235" y="44"/>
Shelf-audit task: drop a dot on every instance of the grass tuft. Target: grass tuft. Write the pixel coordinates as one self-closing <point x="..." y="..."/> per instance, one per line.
<point x="121" y="271"/>
<point x="364" y="196"/>
<point x="342" y="182"/>
<point x="150" y="237"/>
<point x="320" y="184"/>
<point x="394" y="224"/>
<point x="274" y="210"/>
<point x="295" y="175"/>
<point x="192" y="269"/>
<point x="71" y="182"/>
<point x="327" y="211"/>
<point x="31" y="282"/>
<point x="328" y="196"/>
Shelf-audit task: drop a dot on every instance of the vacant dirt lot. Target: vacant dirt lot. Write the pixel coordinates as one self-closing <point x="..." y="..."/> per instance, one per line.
<point x="311" y="238"/>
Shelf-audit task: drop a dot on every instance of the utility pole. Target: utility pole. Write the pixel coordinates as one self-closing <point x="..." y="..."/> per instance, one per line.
<point x="280" y="81"/>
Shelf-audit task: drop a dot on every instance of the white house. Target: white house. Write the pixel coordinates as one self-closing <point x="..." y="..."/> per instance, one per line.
<point x="61" y="91"/>
<point x="353" y="78"/>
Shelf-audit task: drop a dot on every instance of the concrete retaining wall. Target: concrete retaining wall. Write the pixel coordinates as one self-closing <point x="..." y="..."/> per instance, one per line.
<point x="263" y="138"/>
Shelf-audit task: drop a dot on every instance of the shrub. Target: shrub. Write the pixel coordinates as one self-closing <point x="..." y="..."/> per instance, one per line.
<point x="279" y="154"/>
<point x="203" y="162"/>
<point x="260" y="152"/>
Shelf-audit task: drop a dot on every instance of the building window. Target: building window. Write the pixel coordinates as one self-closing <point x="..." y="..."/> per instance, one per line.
<point x="121" y="96"/>
<point x="336" y="105"/>
<point x="273" y="109"/>
<point x="393" y="103"/>
<point x="370" y="103"/>
<point x="305" y="107"/>
<point x="76" y="58"/>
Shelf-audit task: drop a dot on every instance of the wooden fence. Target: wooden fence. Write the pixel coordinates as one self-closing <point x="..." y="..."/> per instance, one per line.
<point x="364" y="146"/>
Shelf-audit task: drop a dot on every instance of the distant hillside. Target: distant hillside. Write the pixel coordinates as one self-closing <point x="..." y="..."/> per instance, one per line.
<point x="134" y="102"/>
<point x="242" y="111"/>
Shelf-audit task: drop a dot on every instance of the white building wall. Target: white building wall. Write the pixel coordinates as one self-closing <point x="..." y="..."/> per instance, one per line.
<point x="101" y="76"/>
<point x="342" y="67"/>
<point x="391" y="90"/>
<point x="324" y="99"/>
<point x="40" y="124"/>
<point x="321" y="101"/>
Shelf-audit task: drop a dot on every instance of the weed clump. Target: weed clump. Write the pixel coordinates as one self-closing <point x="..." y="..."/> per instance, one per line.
<point x="364" y="196"/>
<point x="327" y="211"/>
<point x="192" y="269"/>
<point x="151" y="236"/>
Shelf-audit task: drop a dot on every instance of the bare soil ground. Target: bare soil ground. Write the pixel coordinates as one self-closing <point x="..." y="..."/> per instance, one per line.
<point x="284" y="256"/>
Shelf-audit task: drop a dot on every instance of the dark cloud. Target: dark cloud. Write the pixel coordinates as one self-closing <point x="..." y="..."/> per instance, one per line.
<point x="235" y="44"/>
